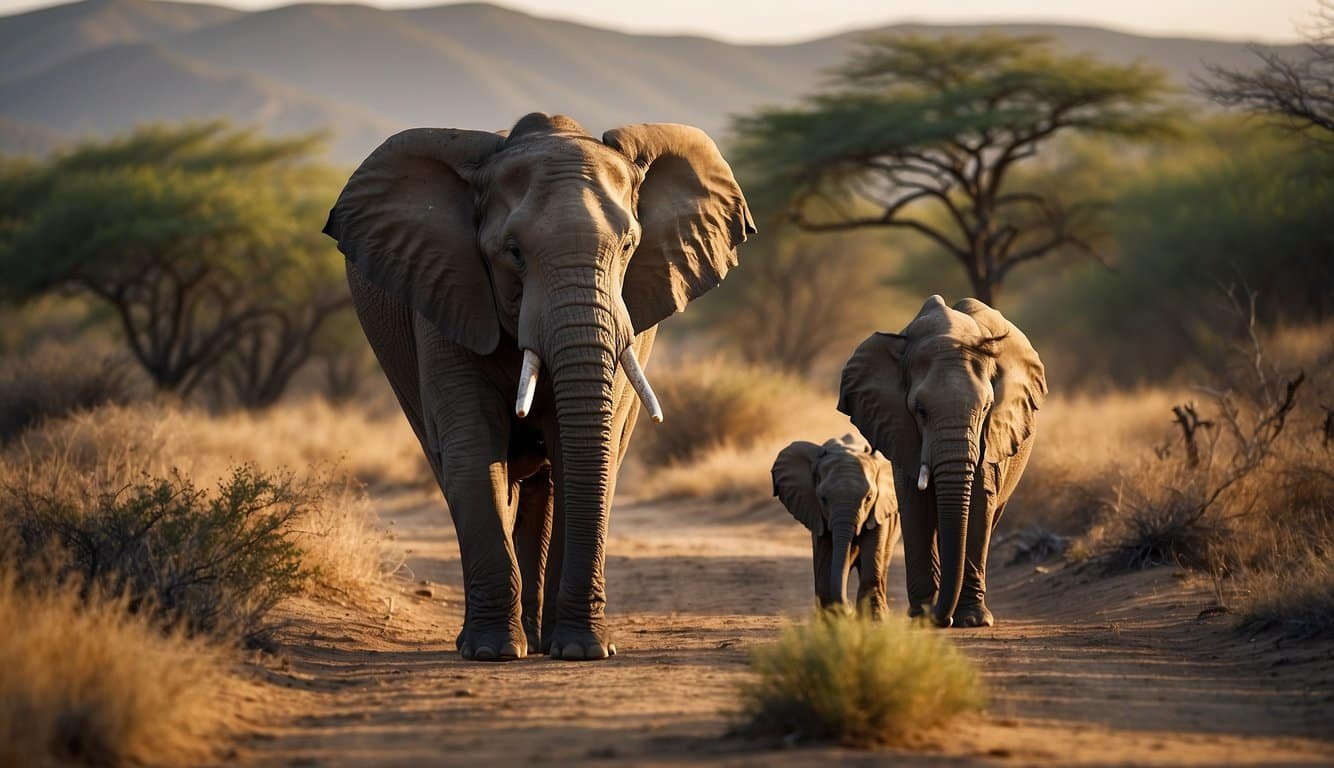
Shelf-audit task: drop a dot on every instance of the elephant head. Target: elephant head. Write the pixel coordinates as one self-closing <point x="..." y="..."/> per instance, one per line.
<point x="954" y="395"/>
<point x="568" y="245"/>
<point x="840" y="489"/>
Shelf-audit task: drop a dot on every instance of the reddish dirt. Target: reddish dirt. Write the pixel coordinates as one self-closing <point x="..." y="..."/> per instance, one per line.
<point x="1084" y="669"/>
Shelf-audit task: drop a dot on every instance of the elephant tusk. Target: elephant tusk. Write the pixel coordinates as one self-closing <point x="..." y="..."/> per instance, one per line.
<point x="923" y="478"/>
<point x="640" y="382"/>
<point x="527" y="383"/>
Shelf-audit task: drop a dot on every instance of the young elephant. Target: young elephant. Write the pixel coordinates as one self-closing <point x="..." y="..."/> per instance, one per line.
<point x="952" y="402"/>
<point x="843" y="493"/>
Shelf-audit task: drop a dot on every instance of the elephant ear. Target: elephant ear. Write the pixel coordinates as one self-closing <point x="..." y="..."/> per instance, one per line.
<point x="874" y="393"/>
<point x="1020" y="384"/>
<point x="886" y="500"/>
<point x="406" y="222"/>
<point x="693" y="216"/>
<point x="794" y="484"/>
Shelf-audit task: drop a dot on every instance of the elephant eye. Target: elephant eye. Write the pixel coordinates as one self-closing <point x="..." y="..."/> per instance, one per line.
<point x="628" y="248"/>
<point x="921" y="410"/>
<point x="515" y="256"/>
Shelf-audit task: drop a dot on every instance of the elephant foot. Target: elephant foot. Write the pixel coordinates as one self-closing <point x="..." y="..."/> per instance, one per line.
<point x="973" y="615"/>
<point x="580" y="642"/>
<point x="491" y="644"/>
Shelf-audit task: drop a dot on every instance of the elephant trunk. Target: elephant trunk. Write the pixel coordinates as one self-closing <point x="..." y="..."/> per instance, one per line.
<point x="583" y="345"/>
<point x="953" y="477"/>
<point x="839" y="563"/>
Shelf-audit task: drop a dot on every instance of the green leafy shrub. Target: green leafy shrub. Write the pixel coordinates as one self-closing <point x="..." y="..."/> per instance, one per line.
<point x="859" y="682"/>
<point x="213" y="563"/>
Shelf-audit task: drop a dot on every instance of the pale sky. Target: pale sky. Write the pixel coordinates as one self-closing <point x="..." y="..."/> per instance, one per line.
<point x="788" y="20"/>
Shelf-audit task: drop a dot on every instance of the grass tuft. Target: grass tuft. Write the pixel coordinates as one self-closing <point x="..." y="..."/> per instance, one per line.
<point x="859" y="682"/>
<point x="86" y="682"/>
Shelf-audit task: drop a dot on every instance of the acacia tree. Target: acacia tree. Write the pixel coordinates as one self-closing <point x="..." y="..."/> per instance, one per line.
<point x="189" y="235"/>
<point x="801" y="297"/>
<point x="1300" y="92"/>
<point x="914" y="123"/>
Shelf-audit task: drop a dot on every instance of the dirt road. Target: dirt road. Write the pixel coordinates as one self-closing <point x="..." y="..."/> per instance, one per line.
<point x="1083" y="670"/>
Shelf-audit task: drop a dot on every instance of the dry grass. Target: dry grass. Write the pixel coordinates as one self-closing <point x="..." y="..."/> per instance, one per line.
<point x="124" y="441"/>
<point x="725" y="421"/>
<point x="859" y="682"/>
<point x="86" y="682"/>
<point x="1254" y="508"/>
<point x="54" y="381"/>
<point x="1085" y="444"/>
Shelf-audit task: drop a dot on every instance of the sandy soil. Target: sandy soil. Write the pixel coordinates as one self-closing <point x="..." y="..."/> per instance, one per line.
<point x="1083" y="669"/>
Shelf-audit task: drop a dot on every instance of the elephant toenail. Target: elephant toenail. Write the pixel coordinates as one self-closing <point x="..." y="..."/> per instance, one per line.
<point x="484" y="653"/>
<point x="572" y="652"/>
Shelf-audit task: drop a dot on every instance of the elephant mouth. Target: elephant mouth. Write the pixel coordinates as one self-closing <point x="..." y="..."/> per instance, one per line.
<point x="532" y="364"/>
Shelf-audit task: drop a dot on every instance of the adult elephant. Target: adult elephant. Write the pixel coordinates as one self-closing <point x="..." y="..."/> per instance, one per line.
<point x="952" y="400"/>
<point x="510" y="285"/>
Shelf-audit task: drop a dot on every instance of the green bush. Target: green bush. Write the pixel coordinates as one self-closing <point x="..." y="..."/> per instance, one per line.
<point x="859" y="682"/>
<point x="1253" y="213"/>
<point x="210" y="563"/>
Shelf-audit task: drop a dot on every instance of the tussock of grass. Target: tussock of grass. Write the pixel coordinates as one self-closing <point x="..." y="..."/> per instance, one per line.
<point x="859" y="682"/>
<point x="86" y="682"/>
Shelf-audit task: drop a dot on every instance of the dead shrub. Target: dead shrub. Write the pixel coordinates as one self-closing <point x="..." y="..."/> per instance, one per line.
<point x="87" y="682"/>
<point x="1245" y="490"/>
<point x="858" y="682"/>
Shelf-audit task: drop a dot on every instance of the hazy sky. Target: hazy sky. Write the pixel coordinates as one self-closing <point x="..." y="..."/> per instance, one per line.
<point x="785" y="20"/>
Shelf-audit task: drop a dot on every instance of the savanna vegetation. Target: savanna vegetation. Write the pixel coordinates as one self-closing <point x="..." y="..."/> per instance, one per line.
<point x="188" y="414"/>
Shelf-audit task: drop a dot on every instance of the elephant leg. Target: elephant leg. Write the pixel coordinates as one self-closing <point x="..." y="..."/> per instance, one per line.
<point x="822" y="553"/>
<point x="532" y="537"/>
<point x="921" y="559"/>
<point x="972" y="610"/>
<point x="551" y="577"/>
<point x="468" y="423"/>
<point x="873" y="570"/>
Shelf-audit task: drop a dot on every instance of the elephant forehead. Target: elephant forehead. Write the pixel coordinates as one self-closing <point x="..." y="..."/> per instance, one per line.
<point x="562" y="156"/>
<point x="843" y="467"/>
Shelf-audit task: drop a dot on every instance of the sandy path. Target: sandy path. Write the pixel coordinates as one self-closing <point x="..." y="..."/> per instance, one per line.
<point x="1084" y="670"/>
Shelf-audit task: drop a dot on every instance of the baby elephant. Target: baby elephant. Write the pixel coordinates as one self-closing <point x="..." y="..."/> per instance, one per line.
<point x="844" y="493"/>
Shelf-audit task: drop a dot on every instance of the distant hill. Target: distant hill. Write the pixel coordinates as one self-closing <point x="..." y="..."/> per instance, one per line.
<point x="33" y="41"/>
<point x="100" y="66"/>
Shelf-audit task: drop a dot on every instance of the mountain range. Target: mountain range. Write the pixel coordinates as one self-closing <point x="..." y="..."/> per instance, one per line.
<point x="98" y="67"/>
